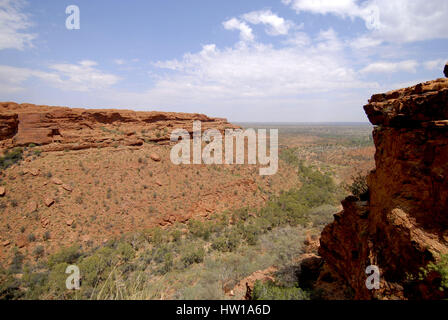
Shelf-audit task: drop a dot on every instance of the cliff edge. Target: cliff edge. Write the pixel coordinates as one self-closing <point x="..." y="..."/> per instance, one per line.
<point x="403" y="225"/>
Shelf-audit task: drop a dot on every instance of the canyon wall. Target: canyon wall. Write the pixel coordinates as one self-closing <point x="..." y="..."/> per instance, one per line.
<point x="403" y="225"/>
<point x="62" y="128"/>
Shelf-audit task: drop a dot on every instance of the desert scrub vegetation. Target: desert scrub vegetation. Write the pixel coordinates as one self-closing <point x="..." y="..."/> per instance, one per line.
<point x="270" y="291"/>
<point x="440" y="268"/>
<point x="289" y="155"/>
<point x="10" y="157"/>
<point x="196" y="260"/>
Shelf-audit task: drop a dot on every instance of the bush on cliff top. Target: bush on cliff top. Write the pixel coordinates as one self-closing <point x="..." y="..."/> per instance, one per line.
<point x="359" y="187"/>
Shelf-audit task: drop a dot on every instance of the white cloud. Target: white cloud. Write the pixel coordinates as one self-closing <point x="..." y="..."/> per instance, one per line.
<point x="435" y="64"/>
<point x="275" y="24"/>
<point x="393" y="21"/>
<point x="253" y="74"/>
<point x="82" y="76"/>
<point x="391" y="67"/>
<point x="339" y="7"/>
<point x="69" y="77"/>
<point x="13" y="23"/>
<point x="236" y="24"/>
<point x="364" y="42"/>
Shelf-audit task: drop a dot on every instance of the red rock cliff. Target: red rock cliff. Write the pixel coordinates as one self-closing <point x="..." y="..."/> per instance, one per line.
<point x="59" y="128"/>
<point x="404" y="225"/>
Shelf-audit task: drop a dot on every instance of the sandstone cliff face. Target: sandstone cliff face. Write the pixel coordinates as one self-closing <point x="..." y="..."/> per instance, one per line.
<point x="404" y="225"/>
<point x="62" y="128"/>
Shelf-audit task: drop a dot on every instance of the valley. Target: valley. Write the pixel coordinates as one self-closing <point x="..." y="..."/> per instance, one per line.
<point x="168" y="231"/>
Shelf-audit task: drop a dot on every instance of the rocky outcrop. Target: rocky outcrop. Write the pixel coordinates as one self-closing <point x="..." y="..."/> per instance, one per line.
<point x="404" y="224"/>
<point x="62" y="128"/>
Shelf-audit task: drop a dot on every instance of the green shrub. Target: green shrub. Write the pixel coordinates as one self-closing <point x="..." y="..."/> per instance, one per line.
<point x="193" y="255"/>
<point x="228" y="242"/>
<point x="46" y="235"/>
<point x="167" y="265"/>
<point x="126" y="251"/>
<point x="241" y="214"/>
<point x="67" y="255"/>
<point x="269" y="291"/>
<point x="38" y="252"/>
<point x="359" y="187"/>
<point x="17" y="263"/>
<point x="176" y="235"/>
<point x="155" y="235"/>
<point x="55" y="285"/>
<point x="31" y="237"/>
<point x="35" y="283"/>
<point x="11" y="157"/>
<point x="200" y="229"/>
<point x="93" y="270"/>
<point x="9" y="286"/>
<point x="441" y="268"/>
<point x="250" y="233"/>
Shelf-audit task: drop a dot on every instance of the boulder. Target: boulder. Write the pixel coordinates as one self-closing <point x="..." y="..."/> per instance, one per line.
<point x="445" y="71"/>
<point x="155" y="157"/>
<point x="2" y="191"/>
<point x="57" y="181"/>
<point x="67" y="187"/>
<point x="44" y="222"/>
<point x="49" y="201"/>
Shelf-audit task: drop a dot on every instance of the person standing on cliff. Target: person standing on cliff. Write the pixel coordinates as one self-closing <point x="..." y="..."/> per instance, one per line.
<point x="445" y="71"/>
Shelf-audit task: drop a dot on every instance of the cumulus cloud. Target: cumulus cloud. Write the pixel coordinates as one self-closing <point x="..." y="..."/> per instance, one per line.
<point x="13" y="24"/>
<point x="391" y="67"/>
<point x="343" y="8"/>
<point x="394" y="21"/>
<point x="70" y="77"/>
<point x="275" y="25"/>
<point x="236" y="24"/>
<point x="257" y="71"/>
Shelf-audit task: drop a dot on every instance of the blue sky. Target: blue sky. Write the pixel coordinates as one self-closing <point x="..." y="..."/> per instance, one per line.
<point x="277" y="60"/>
